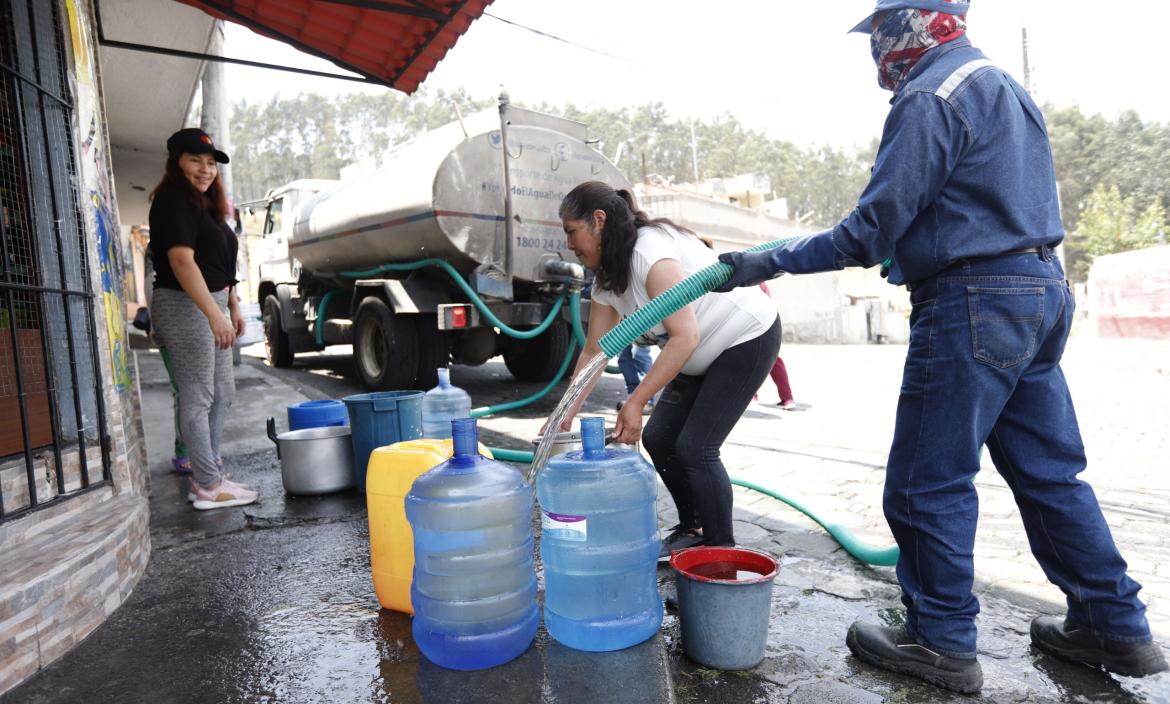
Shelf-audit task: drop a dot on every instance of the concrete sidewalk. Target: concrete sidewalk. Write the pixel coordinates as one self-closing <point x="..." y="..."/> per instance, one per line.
<point x="273" y="602"/>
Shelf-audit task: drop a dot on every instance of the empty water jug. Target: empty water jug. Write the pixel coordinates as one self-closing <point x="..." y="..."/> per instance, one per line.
<point x="474" y="587"/>
<point x="443" y="404"/>
<point x="599" y="544"/>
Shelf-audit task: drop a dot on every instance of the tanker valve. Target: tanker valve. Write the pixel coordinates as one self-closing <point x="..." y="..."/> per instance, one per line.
<point x="555" y="269"/>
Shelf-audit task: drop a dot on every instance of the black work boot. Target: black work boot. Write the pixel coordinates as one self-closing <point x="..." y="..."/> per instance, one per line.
<point x="894" y="650"/>
<point x="1068" y="641"/>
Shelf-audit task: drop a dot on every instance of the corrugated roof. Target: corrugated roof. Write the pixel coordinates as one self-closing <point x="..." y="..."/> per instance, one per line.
<point x="393" y="42"/>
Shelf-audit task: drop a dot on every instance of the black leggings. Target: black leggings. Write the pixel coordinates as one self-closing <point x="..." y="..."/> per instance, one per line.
<point x="692" y="418"/>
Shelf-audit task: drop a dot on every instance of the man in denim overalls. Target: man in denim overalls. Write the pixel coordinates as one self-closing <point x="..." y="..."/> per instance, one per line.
<point x="962" y="209"/>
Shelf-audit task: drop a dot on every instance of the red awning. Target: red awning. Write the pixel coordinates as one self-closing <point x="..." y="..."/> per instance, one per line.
<point x="393" y="42"/>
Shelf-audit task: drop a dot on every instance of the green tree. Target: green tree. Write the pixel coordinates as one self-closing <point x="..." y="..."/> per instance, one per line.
<point x="311" y="136"/>
<point x="1111" y="223"/>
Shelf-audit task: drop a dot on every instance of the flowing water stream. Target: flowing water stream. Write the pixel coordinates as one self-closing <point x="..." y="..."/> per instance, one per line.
<point x="580" y="383"/>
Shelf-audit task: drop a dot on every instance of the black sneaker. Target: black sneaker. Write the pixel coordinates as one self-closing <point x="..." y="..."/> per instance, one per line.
<point x="894" y="650"/>
<point x="679" y="538"/>
<point x="1068" y="641"/>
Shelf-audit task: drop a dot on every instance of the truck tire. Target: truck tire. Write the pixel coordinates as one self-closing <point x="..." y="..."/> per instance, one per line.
<point x="434" y="350"/>
<point x="277" y="347"/>
<point x="385" y="347"/>
<point x="539" y="359"/>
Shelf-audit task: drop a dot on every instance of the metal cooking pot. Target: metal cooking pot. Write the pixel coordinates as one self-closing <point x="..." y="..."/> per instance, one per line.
<point x="314" y="460"/>
<point x="571" y="440"/>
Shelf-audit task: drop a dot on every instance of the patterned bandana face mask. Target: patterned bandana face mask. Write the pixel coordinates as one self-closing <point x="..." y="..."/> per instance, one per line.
<point x="904" y="36"/>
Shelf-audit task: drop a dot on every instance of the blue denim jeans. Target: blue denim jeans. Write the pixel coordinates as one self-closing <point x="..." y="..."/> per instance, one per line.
<point x="983" y="367"/>
<point x="685" y="434"/>
<point x="634" y="361"/>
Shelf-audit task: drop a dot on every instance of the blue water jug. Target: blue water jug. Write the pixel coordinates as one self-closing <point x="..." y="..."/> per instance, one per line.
<point x="599" y="543"/>
<point x="474" y="586"/>
<point x="443" y="404"/>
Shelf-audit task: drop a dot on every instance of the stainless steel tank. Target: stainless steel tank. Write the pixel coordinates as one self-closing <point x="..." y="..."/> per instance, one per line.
<point x="442" y="195"/>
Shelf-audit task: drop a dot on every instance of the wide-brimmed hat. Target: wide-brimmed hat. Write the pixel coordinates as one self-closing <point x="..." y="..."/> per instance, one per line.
<point x="951" y="7"/>
<point x="194" y="141"/>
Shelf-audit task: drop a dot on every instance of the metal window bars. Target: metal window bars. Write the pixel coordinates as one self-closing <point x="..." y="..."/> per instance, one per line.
<point x="47" y="312"/>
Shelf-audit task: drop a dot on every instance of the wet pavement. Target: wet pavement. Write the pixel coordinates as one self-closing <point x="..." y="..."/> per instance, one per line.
<point x="274" y="603"/>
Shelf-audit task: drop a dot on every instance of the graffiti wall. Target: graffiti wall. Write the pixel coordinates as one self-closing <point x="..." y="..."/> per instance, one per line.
<point x="97" y="182"/>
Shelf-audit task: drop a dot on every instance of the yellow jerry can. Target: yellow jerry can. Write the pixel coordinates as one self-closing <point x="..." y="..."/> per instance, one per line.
<point x="391" y="471"/>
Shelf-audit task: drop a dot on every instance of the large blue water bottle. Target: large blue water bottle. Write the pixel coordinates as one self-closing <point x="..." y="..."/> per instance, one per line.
<point x="599" y="543"/>
<point x="474" y="588"/>
<point x="443" y="404"/>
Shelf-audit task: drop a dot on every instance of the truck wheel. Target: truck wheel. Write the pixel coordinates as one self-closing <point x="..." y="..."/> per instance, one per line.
<point x="434" y="350"/>
<point x="276" y="343"/>
<point x="385" y="347"/>
<point x="539" y="359"/>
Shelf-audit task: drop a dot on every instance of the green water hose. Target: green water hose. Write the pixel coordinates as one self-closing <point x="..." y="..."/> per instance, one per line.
<point x="322" y="309"/>
<point x="505" y="455"/>
<point x="612" y="343"/>
<point x="859" y="549"/>
<point x="511" y="405"/>
<point x="574" y="297"/>
<point x="869" y="554"/>
<point x="471" y="294"/>
<point x="663" y="305"/>
<point x="579" y="328"/>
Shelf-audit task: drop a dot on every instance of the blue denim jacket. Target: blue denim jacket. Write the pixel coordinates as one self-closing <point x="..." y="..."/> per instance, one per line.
<point x="964" y="170"/>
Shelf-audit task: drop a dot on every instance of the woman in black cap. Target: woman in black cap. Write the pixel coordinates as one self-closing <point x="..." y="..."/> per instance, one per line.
<point x="194" y="310"/>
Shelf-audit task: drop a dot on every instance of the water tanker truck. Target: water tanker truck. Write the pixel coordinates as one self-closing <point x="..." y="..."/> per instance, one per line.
<point x="358" y="261"/>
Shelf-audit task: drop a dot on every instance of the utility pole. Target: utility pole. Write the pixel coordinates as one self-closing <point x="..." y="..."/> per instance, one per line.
<point x="214" y="121"/>
<point x="694" y="154"/>
<point x="1027" y="67"/>
<point x="215" y="105"/>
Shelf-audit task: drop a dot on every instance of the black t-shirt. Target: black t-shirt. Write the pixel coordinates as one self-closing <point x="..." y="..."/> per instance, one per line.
<point x="176" y="220"/>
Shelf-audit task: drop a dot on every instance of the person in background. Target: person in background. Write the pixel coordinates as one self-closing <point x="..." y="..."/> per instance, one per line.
<point x="779" y="373"/>
<point x="180" y="462"/>
<point x="962" y="202"/>
<point x="194" y="310"/>
<point x="635" y="361"/>
<point x="715" y="352"/>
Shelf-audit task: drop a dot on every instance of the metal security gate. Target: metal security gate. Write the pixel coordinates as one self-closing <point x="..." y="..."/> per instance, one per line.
<point x="51" y="403"/>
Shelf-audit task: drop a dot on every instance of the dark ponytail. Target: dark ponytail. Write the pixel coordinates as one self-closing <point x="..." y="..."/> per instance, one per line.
<point x="620" y="234"/>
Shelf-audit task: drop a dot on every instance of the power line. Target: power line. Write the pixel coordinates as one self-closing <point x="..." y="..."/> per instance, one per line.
<point x="556" y="38"/>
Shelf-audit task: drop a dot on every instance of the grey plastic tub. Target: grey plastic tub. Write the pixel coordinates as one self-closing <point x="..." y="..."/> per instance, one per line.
<point x="724" y="604"/>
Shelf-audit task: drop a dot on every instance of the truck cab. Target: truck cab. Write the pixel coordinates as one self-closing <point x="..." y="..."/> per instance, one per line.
<point x="281" y="205"/>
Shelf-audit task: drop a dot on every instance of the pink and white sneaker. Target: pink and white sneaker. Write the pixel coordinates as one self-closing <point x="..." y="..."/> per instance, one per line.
<point x="222" y="495"/>
<point x="192" y="486"/>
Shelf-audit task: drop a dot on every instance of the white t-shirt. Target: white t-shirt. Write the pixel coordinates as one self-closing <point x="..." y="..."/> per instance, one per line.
<point x="725" y="319"/>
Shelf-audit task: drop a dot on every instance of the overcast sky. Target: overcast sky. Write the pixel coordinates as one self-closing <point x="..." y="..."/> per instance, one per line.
<point x="786" y="68"/>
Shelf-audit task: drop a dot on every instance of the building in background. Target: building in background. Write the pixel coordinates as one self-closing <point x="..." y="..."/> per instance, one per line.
<point x="853" y="306"/>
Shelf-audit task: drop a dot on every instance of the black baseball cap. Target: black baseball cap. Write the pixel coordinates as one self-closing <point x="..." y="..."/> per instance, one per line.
<point x="194" y="141"/>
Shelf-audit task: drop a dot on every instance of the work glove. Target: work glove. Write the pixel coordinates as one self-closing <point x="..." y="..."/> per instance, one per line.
<point x="751" y="269"/>
<point x="807" y="255"/>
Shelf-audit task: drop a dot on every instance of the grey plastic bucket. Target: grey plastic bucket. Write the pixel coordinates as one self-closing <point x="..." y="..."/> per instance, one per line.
<point x="724" y="604"/>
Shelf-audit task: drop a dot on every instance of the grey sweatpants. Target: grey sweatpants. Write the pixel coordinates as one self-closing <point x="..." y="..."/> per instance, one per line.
<point x="202" y="373"/>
